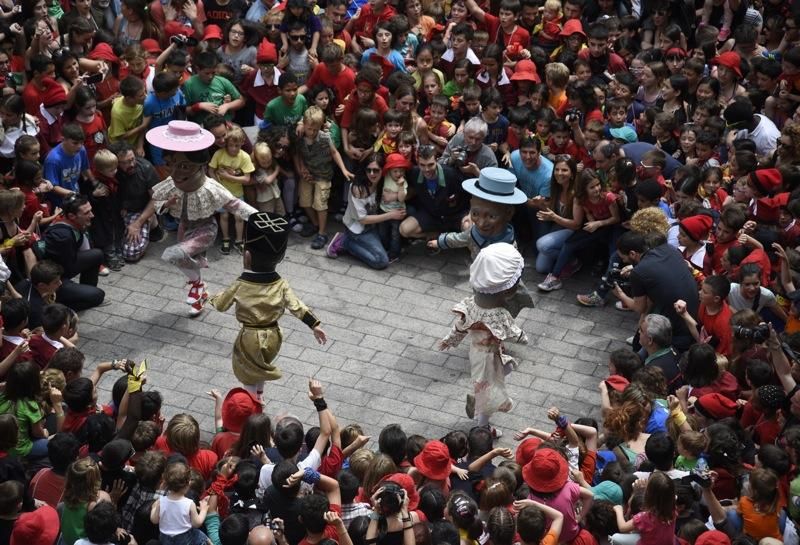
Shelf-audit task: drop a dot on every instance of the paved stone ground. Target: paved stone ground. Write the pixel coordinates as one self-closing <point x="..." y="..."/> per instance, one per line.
<point x="379" y="366"/>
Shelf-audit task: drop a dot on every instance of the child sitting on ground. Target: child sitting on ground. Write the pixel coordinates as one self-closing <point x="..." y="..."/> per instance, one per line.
<point x="55" y="323"/>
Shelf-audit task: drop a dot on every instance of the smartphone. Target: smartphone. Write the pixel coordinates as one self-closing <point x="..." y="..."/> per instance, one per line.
<point x="94" y="78"/>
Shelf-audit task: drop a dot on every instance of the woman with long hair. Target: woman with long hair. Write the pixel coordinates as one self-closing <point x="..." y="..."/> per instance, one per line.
<point x="135" y="23"/>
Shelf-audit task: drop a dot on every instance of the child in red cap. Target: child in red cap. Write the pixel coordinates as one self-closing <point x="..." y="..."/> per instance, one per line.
<point x="393" y="197"/>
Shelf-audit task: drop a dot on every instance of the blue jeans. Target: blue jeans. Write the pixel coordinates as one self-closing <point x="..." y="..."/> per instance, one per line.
<point x="548" y="247"/>
<point x="390" y="237"/>
<point x="366" y="247"/>
<point x="189" y="537"/>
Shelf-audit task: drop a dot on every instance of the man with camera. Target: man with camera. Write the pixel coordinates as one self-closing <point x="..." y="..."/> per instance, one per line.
<point x="466" y="151"/>
<point x="658" y="277"/>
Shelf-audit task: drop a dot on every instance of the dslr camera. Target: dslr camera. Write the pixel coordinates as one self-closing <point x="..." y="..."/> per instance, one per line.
<point x="758" y="334"/>
<point x="458" y="156"/>
<point x="391" y="498"/>
<point x="184" y="41"/>
<point x="614" y="276"/>
<point x="572" y="115"/>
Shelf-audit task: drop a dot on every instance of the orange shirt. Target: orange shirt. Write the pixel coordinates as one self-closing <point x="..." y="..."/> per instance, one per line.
<point x="759" y="525"/>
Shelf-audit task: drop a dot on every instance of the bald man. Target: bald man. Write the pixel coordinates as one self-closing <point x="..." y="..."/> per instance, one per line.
<point x="261" y="535"/>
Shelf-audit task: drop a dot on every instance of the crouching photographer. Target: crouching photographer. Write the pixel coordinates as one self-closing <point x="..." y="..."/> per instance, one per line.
<point x="658" y="277"/>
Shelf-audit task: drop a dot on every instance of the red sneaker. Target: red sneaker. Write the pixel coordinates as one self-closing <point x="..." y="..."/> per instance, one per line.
<point x="196" y="291"/>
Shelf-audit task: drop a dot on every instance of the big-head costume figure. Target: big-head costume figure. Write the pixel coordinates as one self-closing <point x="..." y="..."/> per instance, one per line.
<point x="494" y="196"/>
<point x="194" y="198"/>
<point x="494" y="277"/>
<point x="261" y="297"/>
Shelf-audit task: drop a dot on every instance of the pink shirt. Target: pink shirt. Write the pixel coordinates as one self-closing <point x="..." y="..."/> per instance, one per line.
<point x="565" y="501"/>
<point x="653" y="531"/>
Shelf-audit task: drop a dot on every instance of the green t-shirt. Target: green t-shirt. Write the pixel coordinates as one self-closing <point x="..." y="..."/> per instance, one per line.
<point x="196" y="91"/>
<point x="28" y="413"/>
<point x="279" y="113"/>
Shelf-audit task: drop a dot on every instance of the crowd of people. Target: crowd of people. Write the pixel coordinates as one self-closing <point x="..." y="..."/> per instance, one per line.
<point x="657" y="145"/>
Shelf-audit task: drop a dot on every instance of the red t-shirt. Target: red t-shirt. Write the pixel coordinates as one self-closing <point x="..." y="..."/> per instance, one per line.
<point x="519" y="35"/>
<point x="95" y="132"/>
<point x="49" y="135"/>
<point x="48" y="486"/>
<point x="600" y="210"/>
<point x="367" y="19"/>
<point x="343" y="83"/>
<point x="718" y="325"/>
<point x="331" y="463"/>
<point x="7" y="347"/>
<point x="203" y="460"/>
<point x="330" y="530"/>
<point x="352" y="106"/>
<point x="32" y="205"/>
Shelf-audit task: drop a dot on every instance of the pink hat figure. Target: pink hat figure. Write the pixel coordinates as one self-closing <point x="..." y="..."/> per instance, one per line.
<point x="180" y="136"/>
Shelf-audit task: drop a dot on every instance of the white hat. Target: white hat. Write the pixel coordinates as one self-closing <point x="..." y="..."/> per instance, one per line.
<point x="497" y="268"/>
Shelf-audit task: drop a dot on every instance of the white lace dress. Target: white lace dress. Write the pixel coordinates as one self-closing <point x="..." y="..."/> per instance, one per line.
<point x="487" y="329"/>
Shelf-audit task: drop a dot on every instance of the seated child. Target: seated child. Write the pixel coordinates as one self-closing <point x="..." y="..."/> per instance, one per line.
<point x="55" y="324"/>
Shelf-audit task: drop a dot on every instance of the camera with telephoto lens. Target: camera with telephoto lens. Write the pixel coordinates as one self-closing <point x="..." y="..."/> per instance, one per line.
<point x="572" y="114"/>
<point x="458" y="156"/>
<point x="614" y="276"/>
<point x="758" y="334"/>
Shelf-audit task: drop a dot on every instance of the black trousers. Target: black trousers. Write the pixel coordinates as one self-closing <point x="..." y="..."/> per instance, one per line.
<point x="86" y="294"/>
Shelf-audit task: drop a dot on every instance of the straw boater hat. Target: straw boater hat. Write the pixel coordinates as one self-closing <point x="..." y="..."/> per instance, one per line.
<point x="495" y="185"/>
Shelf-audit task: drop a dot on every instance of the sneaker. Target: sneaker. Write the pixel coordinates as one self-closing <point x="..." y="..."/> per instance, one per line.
<point x="294" y="225"/>
<point x="115" y="263"/>
<point x="319" y="242"/>
<point x="393" y="259"/>
<point x="629" y="340"/>
<point x="239" y="246"/>
<point x="197" y="307"/>
<point x="550" y="283"/>
<point x="469" y="408"/>
<point x="620" y="306"/>
<point x="225" y="249"/>
<point x="591" y="300"/>
<point x="571" y="269"/>
<point x="104" y="271"/>
<point x="196" y="292"/>
<point x="156" y="234"/>
<point x="307" y="230"/>
<point x="335" y="246"/>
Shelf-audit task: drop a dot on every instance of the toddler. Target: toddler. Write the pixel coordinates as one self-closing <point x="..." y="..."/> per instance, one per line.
<point x="393" y="197"/>
<point x="656" y="522"/>
<point x="439" y="128"/>
<point x="107" y="228"/>
<point x="232" y="167"/>
<point x="691" y="445"/>
<point x="547" y="32"/>
<point x="386" y="142"/>
<point x="268" y="192"/>
<point x="314" y="163"/>
<point x="177" y="516"/>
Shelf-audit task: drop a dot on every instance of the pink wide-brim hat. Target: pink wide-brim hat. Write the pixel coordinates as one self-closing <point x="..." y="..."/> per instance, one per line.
<point x="180" y="136"/>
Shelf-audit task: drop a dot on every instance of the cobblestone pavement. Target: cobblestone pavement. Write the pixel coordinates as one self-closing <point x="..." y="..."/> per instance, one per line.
<point x="379" y="366"/>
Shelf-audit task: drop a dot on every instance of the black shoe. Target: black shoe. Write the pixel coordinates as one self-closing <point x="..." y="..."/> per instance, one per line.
<point x="156" y="234"/>
<point x="225" y="249"/>
<point x="308" y="230"/>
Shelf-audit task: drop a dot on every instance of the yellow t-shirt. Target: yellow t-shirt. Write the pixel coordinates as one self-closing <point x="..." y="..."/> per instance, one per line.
<point x="240" y="163"/>
<point x="123" y="119"/>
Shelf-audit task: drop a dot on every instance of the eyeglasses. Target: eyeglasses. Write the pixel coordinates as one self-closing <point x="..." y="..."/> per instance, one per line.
<point x="236" y="32"/>
<point x="297" y="38"/>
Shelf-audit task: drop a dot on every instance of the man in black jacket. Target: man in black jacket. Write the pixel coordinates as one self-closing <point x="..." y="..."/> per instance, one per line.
<point x="66" y="244"/>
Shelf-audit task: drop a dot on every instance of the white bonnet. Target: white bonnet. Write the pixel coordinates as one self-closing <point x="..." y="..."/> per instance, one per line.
<point x="497" y="267"/>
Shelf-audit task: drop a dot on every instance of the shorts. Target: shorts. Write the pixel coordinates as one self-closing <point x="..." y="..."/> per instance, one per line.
<point x="315" y="194"/>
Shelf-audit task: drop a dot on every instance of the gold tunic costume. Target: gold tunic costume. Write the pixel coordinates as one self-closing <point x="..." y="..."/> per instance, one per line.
<point x="261" y="299"/>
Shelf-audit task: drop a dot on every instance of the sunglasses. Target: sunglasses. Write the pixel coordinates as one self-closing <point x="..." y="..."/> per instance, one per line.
<point x="297" y="38"/>
<point x="373" y="170"/>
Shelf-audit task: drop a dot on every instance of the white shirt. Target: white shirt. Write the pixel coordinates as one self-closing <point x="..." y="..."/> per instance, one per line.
<point x="765" y="135"/>
<point x="737" y="302"/>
